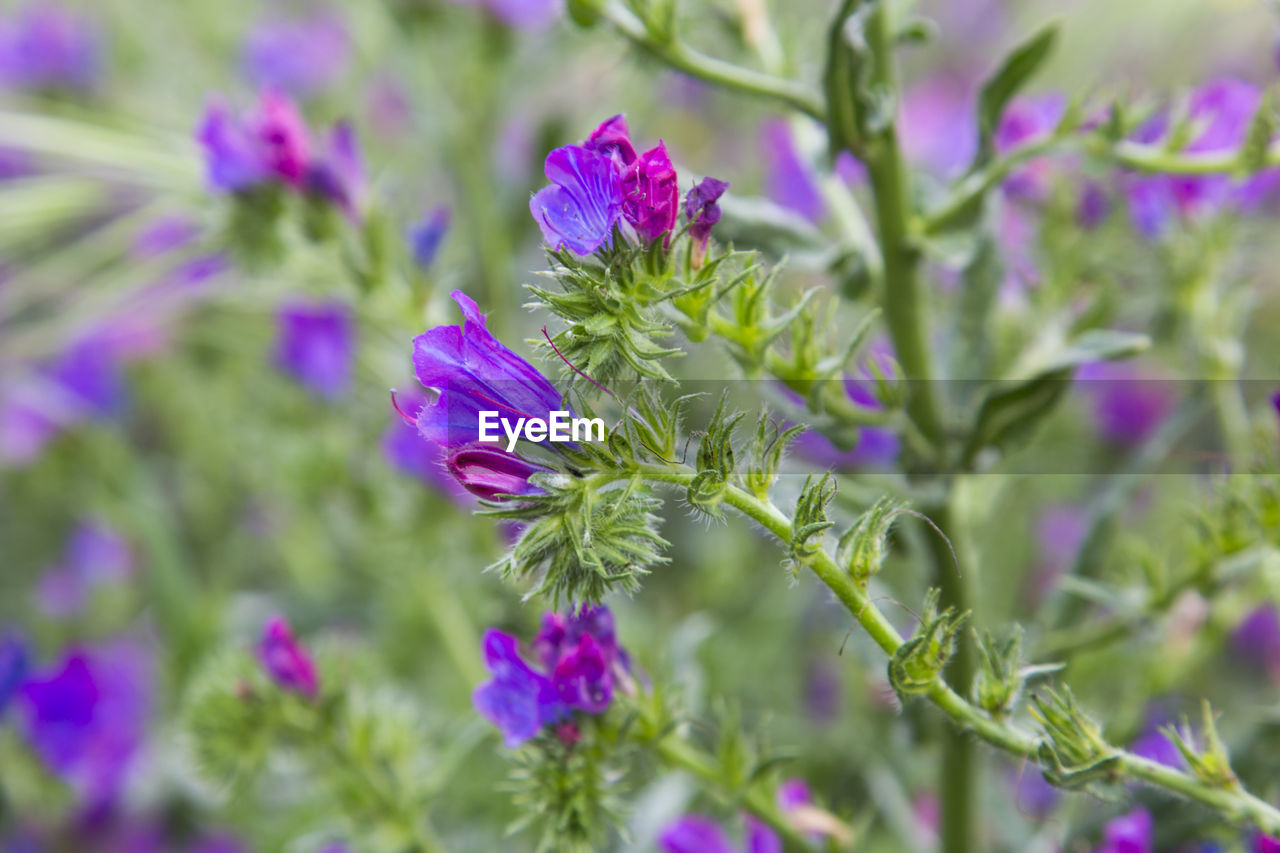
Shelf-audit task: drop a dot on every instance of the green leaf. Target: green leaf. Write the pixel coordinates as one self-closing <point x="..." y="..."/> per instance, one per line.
<point x="847" y="79"/>
<point x="1013" y="74"/>
<point x="1257" y="142"/>
<point x="1011" y="411"/>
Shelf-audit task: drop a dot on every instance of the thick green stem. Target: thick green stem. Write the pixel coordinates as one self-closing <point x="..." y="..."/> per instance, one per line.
<point x="1236" y="804"/>
<point x="958" y="784"/>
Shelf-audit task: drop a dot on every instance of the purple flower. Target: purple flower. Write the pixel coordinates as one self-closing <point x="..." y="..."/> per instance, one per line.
<point x="270" y="143"/>
<point x="95" y="555"/>
<point x="519" y="700"/>
<point x="702" y="212"/>
<point x="300" y="57"/>
<point x="1156" y="746"/>
<point x="1093" y="206"/>
<point x="426" y="236"/>
<point x="1129" y="404"/>
<point x="613" y="139"/>
<point x="1257" y="639"/>
<point x="316" y="345"/>
<point x="475" y="372"/>
<point x="520" y="14"/>
<point x="1130" y="833"/>
<point x="488" y="472"/>
<point x="695" y="833"/>
<point x="583" y="203"/>
<point x="407" y="452"/>
<point x="580" y="663"/>
<point x="651" y="194"/>
<point x="937" y="127"/>
<point x="286" y="660"/>
<point x="1060" y="531"/>
<point x="876" y="448"/>
<point x="1265" y="844"/>
<point x="47" y="47"/>
<point x="1035" y="796"/>
<point x="85" y="717"/>
<point x="1026" y="121"/>
<point x="788" y="178"/>
<point x="14" y="660"/>
<point x="339" y="176"/>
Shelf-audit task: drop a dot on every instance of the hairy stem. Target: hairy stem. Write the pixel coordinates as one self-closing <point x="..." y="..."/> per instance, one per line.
<point x="1234" y="804"/>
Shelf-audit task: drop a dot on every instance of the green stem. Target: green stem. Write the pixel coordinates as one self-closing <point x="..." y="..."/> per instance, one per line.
<point x="959" y="780"/>
<point x="684" y="58"/>
<point x="900" y="290"/>
<point x="1236" y="804"/>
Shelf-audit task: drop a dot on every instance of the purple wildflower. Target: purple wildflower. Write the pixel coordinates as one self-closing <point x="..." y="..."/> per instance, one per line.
<point x="488" y="472"/>
<point x="1129" y="403"/>
<point x="407" y="452"/>
<point x="651" y="194"/>
<point x="788" y="179"/>
<point x="581" y="662"/>
<point x="876" y="448"/>
<point x="1059" y="531"/>
<point x="1026" y="121"/>
<point x="702" y="212"/>
<point x="300" y="57"/>
<point x="1156" y="746"/>
<point x="696" y="833"/>
<point x="286" y="660"/>
<point x="1257" y="639"/>
<point x="1093" y="205"/>
<point x="339" y="175"/>
<point x="474" y="371"/>
<point x="315" y="345"/>
<point x="613" y="139"/>
<point x="583" y="203"/>
<point x="426" y="236"/>
<point x="519" y="14"/>
<point x="48" y="48"/>
<point x="14" y="660"/>
<point x="95" y="555"/>
<point x="1035" y="796"/>
<point x="162" y="236"/>
<point x="1129" y="833"/>
<point x="1265" y="844"/>
<point x="270" y="143"/>
<point x="936" y="125"/>
<point x="85" y="716"/>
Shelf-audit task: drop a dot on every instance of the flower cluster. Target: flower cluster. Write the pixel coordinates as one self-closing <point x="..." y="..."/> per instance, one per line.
<point x="473" y="371"/>
<point x="604" y="184"/>
<point x="580" y="666"/>
<point x="272" y="145"/>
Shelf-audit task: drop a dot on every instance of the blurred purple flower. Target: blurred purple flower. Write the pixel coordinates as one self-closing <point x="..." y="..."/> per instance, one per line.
<point x="580" y="663"/>
<point x="315" y="345"/>
<point x="788" y="179"/>
<point x="937" y="127"/>
<point x="1265" y="844"/>
<point x="876" y="448"/>
<point x="694" y="833"/>
<point x="426" y="236"/>
<point x="47" y="47"/>
<point x="1025" y="122"/>
<point x="1060" y="531"/>
<point x="1155" y="745"/>
<point x="520" y="14"/>
<point x="1093" y="206"/>
<point x="1034" y="795"/>
<point x="1129" y="403"/>
<point x="583" y="203"/>
<point x="1257" y="639"/>
<point x="407" y="452"/>
<point x="702" y="212"/>
<point x="14" y="660"/>
<point x="488" y="471"/>
<point x="286" y="660"/>
<point x="95" y="555"/>
<point x="475" y="371"/>
<point x="269" y="143"/>
<point x="1131" y="833"/>
<point x="339" y="175"/>
<point x="301" y="57"/>
<point x="86" y="716"/>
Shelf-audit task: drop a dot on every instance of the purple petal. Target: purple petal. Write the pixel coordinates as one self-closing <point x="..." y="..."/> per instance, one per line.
<point x="694" y="834"/>
<point x="584" y="202"/>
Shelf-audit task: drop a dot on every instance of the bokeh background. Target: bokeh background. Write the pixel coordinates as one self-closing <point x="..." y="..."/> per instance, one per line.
<point x="170" y="476"/>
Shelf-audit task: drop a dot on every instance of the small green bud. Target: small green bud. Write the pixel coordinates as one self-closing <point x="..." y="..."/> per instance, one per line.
<point x="1073" y="753"/>
<point x="864" y="546"/>
<point x="810" y="520"/>
<point x="918" y="663"/>
<point x="1211" y="765"/>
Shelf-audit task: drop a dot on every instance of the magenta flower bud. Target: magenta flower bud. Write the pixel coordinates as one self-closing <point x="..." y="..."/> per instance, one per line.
<point x="613" y="139"/>
<point x="287" y="661"/>
<point x="282" y="133"/>
<point x="489" y="472"/>
<point x="1266" y="844"/>
<point x="272" y="143"/>
<point x="650" y="194"/>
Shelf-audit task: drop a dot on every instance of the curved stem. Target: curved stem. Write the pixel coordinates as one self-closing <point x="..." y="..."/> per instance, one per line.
<point x="684" y="58"/>
<point x="1236" y="804"/>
